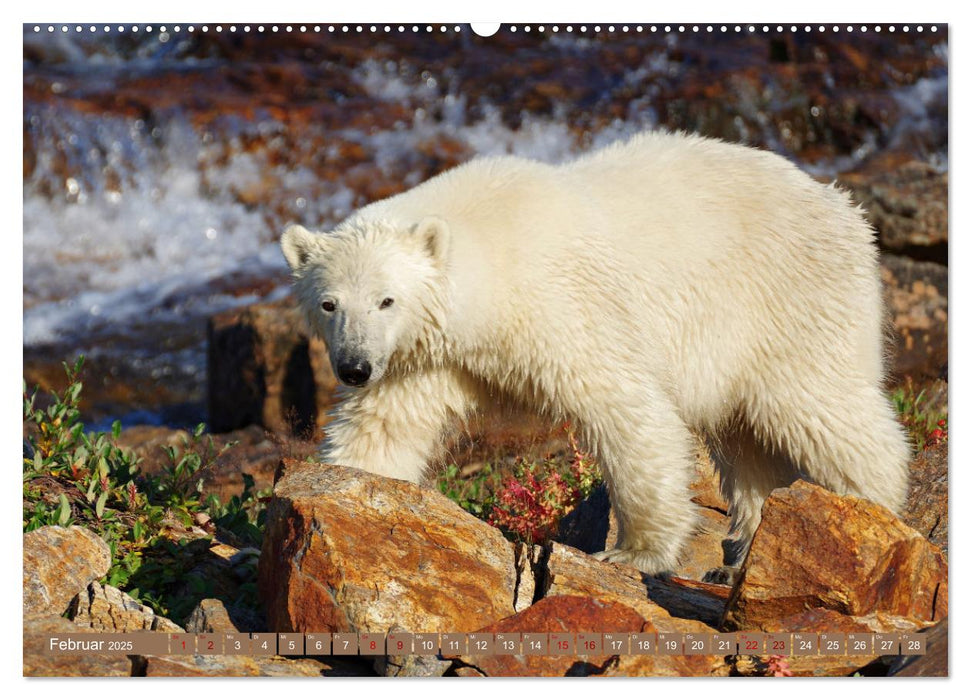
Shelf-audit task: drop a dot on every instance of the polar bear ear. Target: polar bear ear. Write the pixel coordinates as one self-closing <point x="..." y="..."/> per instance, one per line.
<point x="435" y="238"/>
<point x="299" y="245"/>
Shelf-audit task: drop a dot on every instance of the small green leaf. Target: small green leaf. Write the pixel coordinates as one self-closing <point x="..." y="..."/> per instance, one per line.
<point x="99" y="507"/>
<point x="116" y="429"/>
<point x="65" y="511"/>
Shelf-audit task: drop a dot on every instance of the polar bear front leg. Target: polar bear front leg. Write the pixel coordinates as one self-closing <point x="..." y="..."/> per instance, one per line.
<point x="394" y="427"/>
<point x="647" y="460"/>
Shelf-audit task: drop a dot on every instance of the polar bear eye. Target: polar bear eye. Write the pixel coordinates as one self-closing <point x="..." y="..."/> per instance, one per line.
<point x="328" y="306"/>
<point x="386" y="302"/>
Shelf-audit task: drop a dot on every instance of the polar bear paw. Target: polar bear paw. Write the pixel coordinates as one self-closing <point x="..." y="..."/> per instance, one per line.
<point x="723" y="575"/>
<point x="643" y="560"/>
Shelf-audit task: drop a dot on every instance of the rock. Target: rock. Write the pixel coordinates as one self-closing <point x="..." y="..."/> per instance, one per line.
<point x="213" y="615"/>
<point x="108" y="609"/>
<point x="569" y="613"/>
<point x="58" y="563"/>
<point x="916" y="294"/>
<point x="265" y="369"/>
<point x="210" y="615"/>
<point x="38" y="661"/>
<point x="528" y="561"/>
<point x="411" y="666"/>
<point x="815" y="549"/>
<point x="931" y="664"/>
<point x="668" y="606"/>
<point x="926" y="509"/>
<point x="345" y="550"/>
<point x="905" y="202"/>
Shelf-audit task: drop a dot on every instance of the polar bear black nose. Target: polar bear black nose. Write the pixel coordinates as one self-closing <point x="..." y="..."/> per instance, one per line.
<point x="355" y="373"/>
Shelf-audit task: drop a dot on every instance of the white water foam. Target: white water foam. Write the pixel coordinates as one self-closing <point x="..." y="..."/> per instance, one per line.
<point x="99" y="254"/>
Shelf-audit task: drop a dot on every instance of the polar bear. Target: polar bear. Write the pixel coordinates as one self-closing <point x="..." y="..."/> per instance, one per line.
<point x="659" y="287"/>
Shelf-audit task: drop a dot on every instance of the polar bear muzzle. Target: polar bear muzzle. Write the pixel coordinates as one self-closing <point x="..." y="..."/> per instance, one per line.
<point x="354" y="372"/>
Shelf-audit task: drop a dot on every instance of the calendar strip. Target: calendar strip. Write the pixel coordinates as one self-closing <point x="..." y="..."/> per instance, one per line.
<point x="295" y="644"/>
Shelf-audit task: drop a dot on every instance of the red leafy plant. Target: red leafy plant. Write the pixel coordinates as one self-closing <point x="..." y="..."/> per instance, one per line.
<point x="529" y="504"/>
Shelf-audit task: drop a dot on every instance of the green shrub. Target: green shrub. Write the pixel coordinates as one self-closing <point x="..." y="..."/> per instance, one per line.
<point x="75" y="477"/>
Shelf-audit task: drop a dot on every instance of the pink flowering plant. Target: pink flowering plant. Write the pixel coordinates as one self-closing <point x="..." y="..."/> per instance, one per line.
<point x="528" y="503"/>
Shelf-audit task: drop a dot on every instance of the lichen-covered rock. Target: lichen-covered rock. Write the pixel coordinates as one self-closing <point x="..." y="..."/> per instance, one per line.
<point x="105" y="608"/>
<point x="826" y="621"/>
<point x="345" y="550"/>
<point x="815" y="549"/>
<point x="59" y="563"/>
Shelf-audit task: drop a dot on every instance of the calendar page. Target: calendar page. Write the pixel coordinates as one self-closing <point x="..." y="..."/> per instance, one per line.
<point x="514" y="350"/>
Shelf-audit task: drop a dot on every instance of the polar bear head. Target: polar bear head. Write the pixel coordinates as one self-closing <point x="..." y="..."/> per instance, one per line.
<point x="369" y="289"/>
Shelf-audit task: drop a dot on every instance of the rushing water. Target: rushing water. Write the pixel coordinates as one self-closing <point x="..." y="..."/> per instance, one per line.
<point x="154" y="189"/>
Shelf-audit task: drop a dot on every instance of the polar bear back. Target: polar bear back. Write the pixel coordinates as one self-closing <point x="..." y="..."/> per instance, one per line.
<point x="708" y="265"/>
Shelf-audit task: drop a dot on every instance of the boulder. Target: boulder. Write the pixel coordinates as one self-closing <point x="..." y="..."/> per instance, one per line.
<point x="107" y="609"/>
<point x="345" y="550"/>
<point x="815" y="549"/>
<point x="264" y="368"/>
<point x="59" y="563"/>
<point x="567" y="613"/>
<point x="669" y="605"/>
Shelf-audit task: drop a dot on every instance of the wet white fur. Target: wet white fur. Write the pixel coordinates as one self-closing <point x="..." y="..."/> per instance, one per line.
<point x="660" y="286"/>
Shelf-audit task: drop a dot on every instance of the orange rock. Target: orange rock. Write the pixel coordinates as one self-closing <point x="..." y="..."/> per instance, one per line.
<point x="815" y="549"/>
<point x="345" y="550"/>
<point x="669" y="606"/>
<point x="574" y="614"/>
